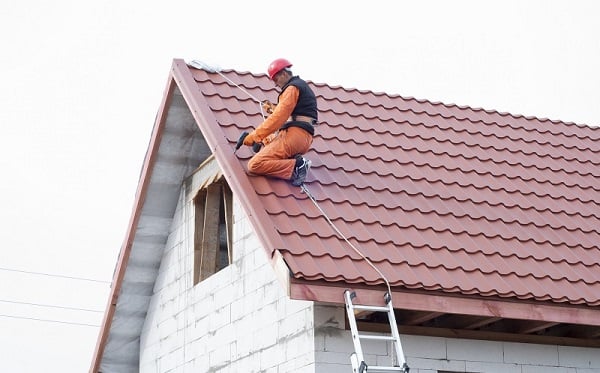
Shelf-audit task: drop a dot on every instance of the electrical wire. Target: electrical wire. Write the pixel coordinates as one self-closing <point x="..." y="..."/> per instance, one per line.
<point x="50" y="306"/>
<point x="48" y="320"/>
<point x="53" y="275"/>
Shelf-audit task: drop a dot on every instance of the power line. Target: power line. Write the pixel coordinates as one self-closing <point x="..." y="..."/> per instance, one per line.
<point x="48" y="320"/>
<point x="50" y="306"/>
<point x="54" y="275"/>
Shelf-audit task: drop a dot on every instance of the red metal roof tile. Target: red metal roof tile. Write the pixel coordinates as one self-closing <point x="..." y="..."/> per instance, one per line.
<point x="442" y="198"/>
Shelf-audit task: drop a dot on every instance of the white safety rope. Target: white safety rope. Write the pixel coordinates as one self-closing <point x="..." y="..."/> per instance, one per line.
<point x="200" y="64"/>
<point x="314" y="201"/>
<point x="387" y="283"/>
<point x="246" y="92"/>
<point x="206" y="67"/>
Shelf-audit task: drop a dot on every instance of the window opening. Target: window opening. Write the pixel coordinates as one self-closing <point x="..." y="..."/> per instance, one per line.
<point x="213" y="214"/>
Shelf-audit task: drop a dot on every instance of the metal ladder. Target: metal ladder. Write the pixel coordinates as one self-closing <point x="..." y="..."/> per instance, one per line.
<point x="358" y="362"/>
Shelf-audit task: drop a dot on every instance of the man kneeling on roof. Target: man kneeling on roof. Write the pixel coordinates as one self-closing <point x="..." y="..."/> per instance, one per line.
<point x="287" y="133"/>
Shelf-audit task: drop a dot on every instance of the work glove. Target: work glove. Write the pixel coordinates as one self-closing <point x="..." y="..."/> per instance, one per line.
<point x="250" y="139"/>
<point x="255" y="145"/>
<point x="267" y="106"/>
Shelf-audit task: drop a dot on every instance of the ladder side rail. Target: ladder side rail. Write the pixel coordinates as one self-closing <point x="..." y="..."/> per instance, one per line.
<point x="353" y="327"/>
<point x="396" y="335"/>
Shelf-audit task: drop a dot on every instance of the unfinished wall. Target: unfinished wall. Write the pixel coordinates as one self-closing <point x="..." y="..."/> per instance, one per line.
<point x="238" y="320"/>
<point x="433" y="354"/>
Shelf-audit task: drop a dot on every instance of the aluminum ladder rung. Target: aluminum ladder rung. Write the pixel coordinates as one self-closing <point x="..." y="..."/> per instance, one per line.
<point x="377" y="337"/>
<point x="374" y="368"/>
<point x="362" y="307"/>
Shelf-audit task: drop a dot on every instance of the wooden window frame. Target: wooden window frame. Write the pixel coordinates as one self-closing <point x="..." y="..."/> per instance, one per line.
<point x="213" y="219"/>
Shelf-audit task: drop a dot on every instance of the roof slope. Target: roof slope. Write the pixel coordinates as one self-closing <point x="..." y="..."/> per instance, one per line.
<point x="440" y="197"/>
<point x="463" y="210"/>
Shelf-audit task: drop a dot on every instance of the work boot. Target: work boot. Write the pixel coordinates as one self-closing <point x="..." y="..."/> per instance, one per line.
<point x="300" y="172"/>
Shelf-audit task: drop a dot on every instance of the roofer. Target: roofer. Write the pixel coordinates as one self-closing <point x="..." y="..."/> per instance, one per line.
<point x="287" y="133"/>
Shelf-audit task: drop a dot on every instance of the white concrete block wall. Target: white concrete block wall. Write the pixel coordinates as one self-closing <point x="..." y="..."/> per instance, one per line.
<point x="333" y="346"/>
<point x="240" y="320"/>
<point x="433" y="354"/>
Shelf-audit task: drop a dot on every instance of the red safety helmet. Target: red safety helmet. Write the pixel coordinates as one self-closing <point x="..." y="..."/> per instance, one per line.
<point x="278" y="65"/>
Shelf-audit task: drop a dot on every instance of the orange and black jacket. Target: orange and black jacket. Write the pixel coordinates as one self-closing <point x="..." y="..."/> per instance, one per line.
<point x="307" y="102"/>
<point x="296" y="99"/>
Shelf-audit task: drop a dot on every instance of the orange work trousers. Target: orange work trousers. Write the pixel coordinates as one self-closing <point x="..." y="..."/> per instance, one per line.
<point x="276" y="158"/>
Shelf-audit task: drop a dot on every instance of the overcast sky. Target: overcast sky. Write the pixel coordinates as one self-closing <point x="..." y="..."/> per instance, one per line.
<point x="82" y="83"/>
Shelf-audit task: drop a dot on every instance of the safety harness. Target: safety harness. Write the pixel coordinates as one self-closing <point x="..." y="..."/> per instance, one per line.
<point x="306" y="107"/>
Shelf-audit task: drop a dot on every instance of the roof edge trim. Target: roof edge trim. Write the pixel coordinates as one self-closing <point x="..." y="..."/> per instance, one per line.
<point x="440" y="303"/>
<point x="232" y="168"/>
<point x="282" y="271"/>
<point x="140" y="197"/>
